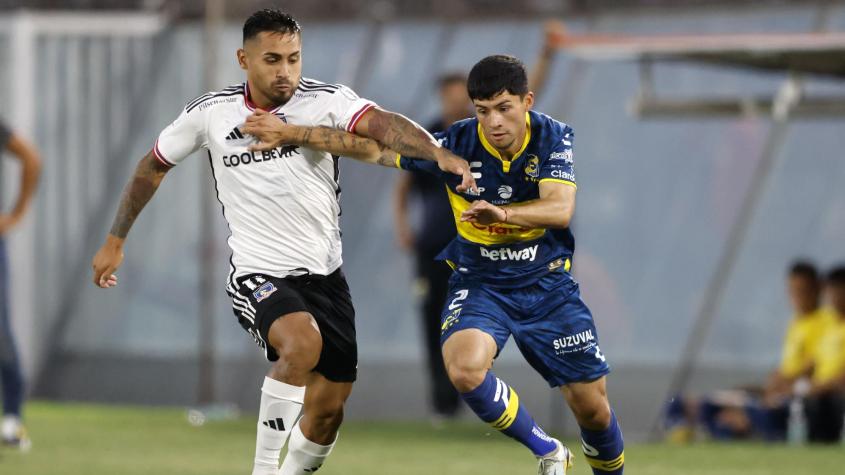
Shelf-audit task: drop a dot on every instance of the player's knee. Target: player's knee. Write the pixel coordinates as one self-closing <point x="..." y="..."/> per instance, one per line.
<point x="465" y="378"/>
<point x="298" y="355"/>
<point x="594" y="415"/>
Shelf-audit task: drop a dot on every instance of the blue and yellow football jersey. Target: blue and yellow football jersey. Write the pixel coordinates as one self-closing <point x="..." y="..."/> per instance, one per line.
<point x="503" y="254"/>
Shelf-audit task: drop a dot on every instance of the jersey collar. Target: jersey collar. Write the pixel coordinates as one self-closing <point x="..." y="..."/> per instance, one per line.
<point x="251" y="105"/>
<point x="506" y="164"/>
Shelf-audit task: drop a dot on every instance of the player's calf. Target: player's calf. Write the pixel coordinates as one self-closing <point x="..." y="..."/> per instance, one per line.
<point x="314" y="436"/>
<point x="324" y="412"/>
<point x="592" y="414"/>
<point x="468" y="354"/>
<point x="601" y="435"/>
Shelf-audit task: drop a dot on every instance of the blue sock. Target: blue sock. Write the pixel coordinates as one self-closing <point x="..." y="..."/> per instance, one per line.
<point x="497" y="403"/>
<point x="604" y="449"/>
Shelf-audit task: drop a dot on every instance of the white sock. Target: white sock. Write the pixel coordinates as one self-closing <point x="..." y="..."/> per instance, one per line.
<point x="280" y="407"/>
<point x="304" y="457"/>
<point x="10" y="427"/>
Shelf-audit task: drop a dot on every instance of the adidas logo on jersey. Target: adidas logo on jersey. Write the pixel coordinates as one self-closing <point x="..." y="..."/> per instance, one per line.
<point x="275" y="424"/>
<point x="235" y="134"/>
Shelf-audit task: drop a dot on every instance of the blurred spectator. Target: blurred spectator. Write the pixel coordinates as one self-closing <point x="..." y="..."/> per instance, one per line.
<point x="436" y="229"/>
<point x="803" y="333"/>
<point x="761" y="412"/>
<point x="825" y="401"/>
<point x="437" y="226"/>
<point x="11" y="376"/>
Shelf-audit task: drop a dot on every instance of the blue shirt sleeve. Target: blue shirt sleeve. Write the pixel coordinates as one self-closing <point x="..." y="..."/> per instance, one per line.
<point x="559" y="166"/>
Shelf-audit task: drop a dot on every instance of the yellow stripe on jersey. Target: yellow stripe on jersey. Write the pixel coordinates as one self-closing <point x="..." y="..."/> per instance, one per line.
<point x="399" y="161"/>
<point x="557" y="180"/>
<point x="489" y="235"/>
<point x="507" y="418"/>
<point x="607" y="465"/>
<point x="506" y="164"/>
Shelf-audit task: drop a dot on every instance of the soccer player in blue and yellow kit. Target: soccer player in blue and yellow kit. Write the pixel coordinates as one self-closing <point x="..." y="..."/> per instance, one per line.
<point x="511" y="258"/>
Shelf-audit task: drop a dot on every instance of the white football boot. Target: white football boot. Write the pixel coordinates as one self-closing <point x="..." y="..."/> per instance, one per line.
<point x="557" y="462"/>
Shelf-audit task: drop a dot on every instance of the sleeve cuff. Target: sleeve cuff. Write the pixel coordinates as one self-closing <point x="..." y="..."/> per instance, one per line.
<point x="357" y="117"/>
<point x="556" y="180"/>
<point x="160" y="156"/>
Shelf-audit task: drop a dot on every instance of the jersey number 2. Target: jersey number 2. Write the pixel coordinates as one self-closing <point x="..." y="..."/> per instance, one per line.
<point x="459" y="296"/>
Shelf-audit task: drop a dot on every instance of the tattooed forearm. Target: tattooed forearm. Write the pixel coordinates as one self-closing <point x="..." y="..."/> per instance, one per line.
<point x="338" y="142"/>
<point x="400" y="134"/>
<point x="138" y="191"/>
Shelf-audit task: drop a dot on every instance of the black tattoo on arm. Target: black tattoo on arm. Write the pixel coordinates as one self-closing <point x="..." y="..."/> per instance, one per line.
<point x="339" y="142"/>
<point x="142" y="187"/>
<point x="402" y="135"/>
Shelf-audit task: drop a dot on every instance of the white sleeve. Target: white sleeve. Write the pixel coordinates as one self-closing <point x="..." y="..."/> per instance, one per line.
<point x="345" y="109"/>
<point x="181" y="138"/>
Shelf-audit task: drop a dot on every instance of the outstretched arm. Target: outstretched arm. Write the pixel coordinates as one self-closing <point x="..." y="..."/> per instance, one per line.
<point x="272" y="132"/>
<point x="396" y="132"/>
<point x="138" y="192"/>
<point x="553" y="210"/>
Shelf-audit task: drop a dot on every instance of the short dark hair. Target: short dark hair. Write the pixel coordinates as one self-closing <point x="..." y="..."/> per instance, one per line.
<point x="805" y="269"/>
<point x="454" y="77"/>
<point x="836" y="276"/>
<point x="496" y="74"/>
<point x="270" y="20"/>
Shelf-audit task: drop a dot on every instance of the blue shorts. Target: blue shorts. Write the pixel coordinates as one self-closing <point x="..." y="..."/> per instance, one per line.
<point x="551" y="325"/>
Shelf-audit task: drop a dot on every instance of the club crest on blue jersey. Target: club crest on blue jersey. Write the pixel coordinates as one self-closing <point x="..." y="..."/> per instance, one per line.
<point x="532" y="166"/>
<point x="264" y="291"/>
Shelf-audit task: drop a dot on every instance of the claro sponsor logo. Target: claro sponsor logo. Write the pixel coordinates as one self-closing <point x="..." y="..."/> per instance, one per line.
<point x="493" y="230"/>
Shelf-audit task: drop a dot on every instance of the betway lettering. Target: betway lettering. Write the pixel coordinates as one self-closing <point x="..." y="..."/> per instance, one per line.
<point x="256" y="157"/>
<point x="574" y="340"/>
<point x="508" y="254"/>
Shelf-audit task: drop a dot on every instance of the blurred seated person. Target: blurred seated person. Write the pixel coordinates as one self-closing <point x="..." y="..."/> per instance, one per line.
<point x="825" y="399"/>
<point x="803" y="334"/>
<point x="754" y="412"/>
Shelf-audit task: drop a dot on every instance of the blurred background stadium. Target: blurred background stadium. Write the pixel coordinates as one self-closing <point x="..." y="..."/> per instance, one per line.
<point x="684" y="227"/>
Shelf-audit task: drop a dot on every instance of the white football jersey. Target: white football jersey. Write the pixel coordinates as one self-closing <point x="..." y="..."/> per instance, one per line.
<point x="282" y="206"/>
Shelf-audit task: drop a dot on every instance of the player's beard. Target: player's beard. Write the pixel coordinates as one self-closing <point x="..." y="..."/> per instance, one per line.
<point x="280" y="97"/>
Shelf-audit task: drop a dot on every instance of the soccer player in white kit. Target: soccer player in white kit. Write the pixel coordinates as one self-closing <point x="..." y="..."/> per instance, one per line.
<point x="287" y="288"/>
